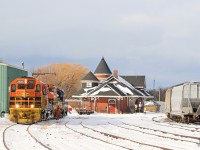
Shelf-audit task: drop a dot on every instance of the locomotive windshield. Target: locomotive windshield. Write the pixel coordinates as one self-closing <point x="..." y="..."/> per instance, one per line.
<point x="21" y="86"/>
<point x="30" y="84"/>
<point x="51" y="89"/>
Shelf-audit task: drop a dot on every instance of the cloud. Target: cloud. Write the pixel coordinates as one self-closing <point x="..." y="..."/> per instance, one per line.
<point x="141" y="19"/>
<point x="159" y="39"/>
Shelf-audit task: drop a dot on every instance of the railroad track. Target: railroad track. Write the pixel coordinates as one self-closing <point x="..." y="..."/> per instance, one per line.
<point x="92" y="137"/>
<point x="4" y="136"/>
<point x="185" y="125"/>
<point x="37" y="139"/>
<point x="197" y="139"/>
<point x="6" y="144"/>
<point x="176" y="125"/>
<point x="127" y="139"/>
<point x="172" y="122"/>
<point x="157" y="135"/>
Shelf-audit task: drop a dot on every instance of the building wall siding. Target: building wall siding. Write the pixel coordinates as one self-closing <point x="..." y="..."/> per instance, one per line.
<point x="7" y="74"/>
<point x="124" y="107"/>
<point x="3" y="88"/>
<point x="121" y="105"/>
<point x="102" y="104"/>
<point x="101" y="77"/>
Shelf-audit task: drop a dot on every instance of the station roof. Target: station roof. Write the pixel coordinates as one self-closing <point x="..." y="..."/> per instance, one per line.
<point x="102" y="68"/>
<point x="90" y="76"/>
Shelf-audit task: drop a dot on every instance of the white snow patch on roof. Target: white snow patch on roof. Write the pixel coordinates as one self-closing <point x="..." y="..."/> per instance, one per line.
<point x="120" y="79"/>
<point x="86" y="91"/>
<point x="124" y="89"/>
<point x="104" y="89"/>
<point x="114" y="82"/>
<point x="125" y="82"/>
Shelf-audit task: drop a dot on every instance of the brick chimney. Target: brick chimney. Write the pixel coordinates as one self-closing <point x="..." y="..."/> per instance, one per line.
<point x="115" y="73"/>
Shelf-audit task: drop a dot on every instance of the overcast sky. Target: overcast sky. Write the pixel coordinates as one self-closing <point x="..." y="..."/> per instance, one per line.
<point x="156" y="38"/>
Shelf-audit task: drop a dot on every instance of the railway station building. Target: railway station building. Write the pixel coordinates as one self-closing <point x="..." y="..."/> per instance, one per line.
<point x="7" y="74"/>
<point x="107" y="92"/>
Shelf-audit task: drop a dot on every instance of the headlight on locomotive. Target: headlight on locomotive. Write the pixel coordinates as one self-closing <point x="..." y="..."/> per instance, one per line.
<point x="32" y="106"/>
<point x="17" y="105"/>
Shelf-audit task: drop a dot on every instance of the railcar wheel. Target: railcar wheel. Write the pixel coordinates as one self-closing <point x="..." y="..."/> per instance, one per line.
<point x="188" y="119"/>
<point x="183" y="119"/>
<point x="168" y="115"/>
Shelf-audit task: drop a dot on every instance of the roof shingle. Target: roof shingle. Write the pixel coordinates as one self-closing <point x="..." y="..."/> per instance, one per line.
<point x="90" y="76"/>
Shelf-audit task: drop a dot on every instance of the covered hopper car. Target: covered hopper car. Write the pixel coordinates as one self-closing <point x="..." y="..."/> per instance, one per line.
<point x="183" y="102"/>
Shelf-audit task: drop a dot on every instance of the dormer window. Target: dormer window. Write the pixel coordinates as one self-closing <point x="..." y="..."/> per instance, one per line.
<point x="89" y="84"/>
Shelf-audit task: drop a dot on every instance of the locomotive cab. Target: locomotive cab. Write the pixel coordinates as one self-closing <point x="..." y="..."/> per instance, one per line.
<point x="28" y="96"/>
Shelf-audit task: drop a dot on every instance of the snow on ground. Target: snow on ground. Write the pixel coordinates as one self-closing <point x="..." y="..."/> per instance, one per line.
<point x="102" y="132"/>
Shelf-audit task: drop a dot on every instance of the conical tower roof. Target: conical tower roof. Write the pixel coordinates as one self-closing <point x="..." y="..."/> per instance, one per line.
<point x="90" y="76"/>
<point x="103" y="68"/>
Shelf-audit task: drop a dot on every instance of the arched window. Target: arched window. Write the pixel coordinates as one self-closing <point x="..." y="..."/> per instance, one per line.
<point x="111" y="101"/>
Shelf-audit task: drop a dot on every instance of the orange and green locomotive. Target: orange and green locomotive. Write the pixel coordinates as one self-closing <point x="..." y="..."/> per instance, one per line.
<point x="29" y="100"/>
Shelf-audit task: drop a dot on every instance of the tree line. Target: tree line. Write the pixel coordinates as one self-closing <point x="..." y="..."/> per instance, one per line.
<point x="159" y="94"/>
<point x="64" y="76"/>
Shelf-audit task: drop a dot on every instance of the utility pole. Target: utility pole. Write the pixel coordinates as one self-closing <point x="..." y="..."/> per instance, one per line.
<point x="154" y="90"/>
<point x="23" y="64"/>
<point x="159" y="94"/>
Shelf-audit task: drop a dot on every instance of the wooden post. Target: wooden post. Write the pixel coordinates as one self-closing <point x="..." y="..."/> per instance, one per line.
<point x="119" y="105"/>
<point x="95" y="103"/>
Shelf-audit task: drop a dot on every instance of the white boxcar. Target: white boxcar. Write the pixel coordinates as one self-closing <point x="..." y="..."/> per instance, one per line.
<point x="183" y="102"/>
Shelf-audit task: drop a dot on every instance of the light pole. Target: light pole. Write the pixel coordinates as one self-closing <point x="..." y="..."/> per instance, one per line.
<point x="23" y="64"/>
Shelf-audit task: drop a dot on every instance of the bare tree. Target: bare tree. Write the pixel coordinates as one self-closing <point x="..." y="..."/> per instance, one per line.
<point x="67" y="76"/>
<point x="159" y="94"/>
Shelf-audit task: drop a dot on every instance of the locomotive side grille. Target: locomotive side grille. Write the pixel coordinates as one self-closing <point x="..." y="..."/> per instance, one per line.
<point x="12" y="98"/>
<point x="38" y="98"/>
<point x="37" y="104"/>
<point x="12" y="103"/>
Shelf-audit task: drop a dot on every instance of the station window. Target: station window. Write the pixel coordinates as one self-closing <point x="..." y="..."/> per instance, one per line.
<point x="111" y="101"/>
<point x="89" y="84"/>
